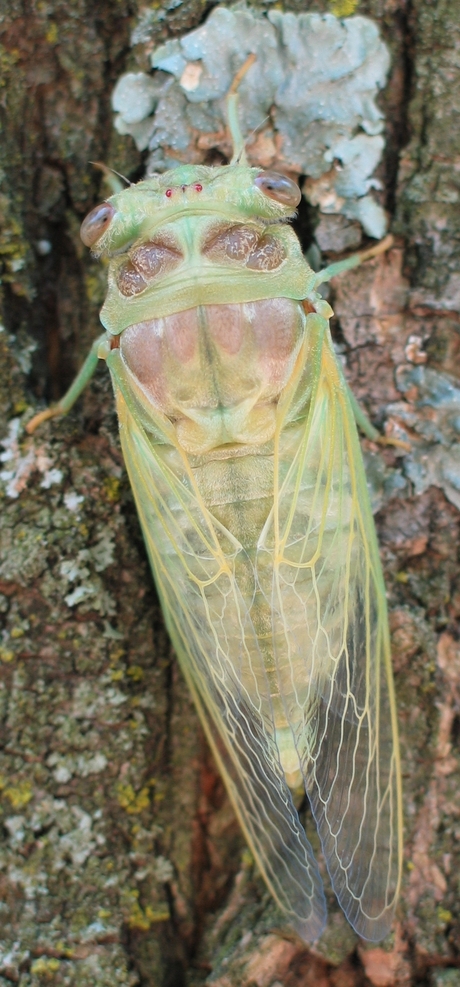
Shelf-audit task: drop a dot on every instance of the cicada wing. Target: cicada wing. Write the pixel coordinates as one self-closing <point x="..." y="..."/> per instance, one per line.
<point x="195" y="563"/>
<point x="331" y="643"/>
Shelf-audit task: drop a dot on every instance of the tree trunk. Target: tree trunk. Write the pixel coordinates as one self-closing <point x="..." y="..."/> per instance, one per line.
<point x="122" y="862"/>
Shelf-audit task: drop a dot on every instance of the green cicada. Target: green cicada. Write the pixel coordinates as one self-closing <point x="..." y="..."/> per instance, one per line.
<point x="240" y="439"/>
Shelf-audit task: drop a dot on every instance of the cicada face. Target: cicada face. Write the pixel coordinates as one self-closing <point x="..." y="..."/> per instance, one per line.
<point x="232" y="192"/>
<point x="197" y="235"/>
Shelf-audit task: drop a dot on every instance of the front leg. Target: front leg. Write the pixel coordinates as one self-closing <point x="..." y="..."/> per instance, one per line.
<point x="98" y="351"/>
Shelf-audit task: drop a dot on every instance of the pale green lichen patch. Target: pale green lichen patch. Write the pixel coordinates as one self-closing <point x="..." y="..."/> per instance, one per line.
<point x="308" y="104"/>
<point x="18" y="795"/>
<point x="21" y="459"/>
<point x="430" y="418"/>
<point x="79" y="572"/>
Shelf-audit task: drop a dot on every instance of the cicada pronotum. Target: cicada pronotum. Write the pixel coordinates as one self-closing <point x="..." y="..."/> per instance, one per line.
<point x="240" y="438"/>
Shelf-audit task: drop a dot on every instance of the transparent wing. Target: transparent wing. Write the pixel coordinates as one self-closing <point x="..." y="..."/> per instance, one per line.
<point x="331" y="646"/>
<point x="196" y="563"/>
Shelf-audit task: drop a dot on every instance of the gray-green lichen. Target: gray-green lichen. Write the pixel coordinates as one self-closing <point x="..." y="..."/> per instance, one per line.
<point x="427" y="422"/>
<point x="430" y="419"/>
<point x="308" y="101"/>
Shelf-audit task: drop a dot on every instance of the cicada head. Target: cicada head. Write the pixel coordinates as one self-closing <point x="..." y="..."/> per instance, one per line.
<point x="196" y="235"/>
<point x="229" y="193"/>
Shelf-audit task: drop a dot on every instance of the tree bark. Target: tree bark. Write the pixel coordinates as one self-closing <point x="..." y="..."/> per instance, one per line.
<point x="122" y="862"/>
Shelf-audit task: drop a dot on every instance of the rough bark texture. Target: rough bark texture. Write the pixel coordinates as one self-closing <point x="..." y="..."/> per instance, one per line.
<point x="121" y="860"/>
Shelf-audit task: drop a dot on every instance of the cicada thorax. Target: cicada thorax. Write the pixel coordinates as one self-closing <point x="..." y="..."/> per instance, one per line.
<point x="216" y="371"/>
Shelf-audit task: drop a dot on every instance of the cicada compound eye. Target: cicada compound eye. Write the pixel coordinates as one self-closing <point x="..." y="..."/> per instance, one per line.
<point x="96" y="223"/>
<point x="279" y="187"/>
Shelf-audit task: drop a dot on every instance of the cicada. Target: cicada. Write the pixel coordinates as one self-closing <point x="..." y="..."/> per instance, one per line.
<point x="240" y="438"/>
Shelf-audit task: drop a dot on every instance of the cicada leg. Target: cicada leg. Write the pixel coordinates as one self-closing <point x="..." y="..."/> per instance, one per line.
<point x="71" y="396"/>
<point x="340" y="267"/>
<point x="354" y="261"/>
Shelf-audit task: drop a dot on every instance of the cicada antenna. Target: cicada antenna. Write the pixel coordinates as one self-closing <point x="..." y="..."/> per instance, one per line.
<point x="239" y="152"/>
<point x="248" y="138"/>
<point x="109" y="176"/>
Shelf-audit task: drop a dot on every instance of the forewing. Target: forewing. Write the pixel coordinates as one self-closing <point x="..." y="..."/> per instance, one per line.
<point x="195" y="563"/>
<point x="331" y="642"/>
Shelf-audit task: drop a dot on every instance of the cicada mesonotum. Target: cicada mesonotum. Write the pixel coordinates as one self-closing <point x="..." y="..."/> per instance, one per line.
<point x="239" y="436"/>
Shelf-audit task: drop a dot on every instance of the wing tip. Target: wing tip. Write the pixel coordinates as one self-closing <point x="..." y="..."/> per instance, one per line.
<point x="373" y="930"/>
<point x="310" y="930"/>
